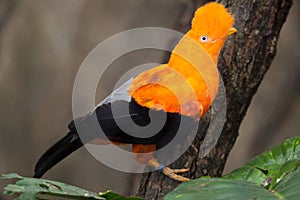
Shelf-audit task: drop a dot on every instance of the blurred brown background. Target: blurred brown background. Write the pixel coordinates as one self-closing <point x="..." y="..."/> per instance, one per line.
<point x="42" y="44"/>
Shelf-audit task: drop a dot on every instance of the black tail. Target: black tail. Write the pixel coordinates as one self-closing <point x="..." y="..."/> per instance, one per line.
<point x="61" y="149"/>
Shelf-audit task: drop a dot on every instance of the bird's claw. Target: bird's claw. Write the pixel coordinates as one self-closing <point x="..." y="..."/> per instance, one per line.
<point x="172" y="174"/>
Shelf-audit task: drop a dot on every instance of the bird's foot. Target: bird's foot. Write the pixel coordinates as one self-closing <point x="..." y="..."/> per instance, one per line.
<point x="172" y="173"/>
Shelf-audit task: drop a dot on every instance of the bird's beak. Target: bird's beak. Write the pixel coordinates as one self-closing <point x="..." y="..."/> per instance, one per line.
<point x="231" y="31"/>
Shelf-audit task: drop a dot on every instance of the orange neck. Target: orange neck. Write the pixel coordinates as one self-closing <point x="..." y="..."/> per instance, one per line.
<point x="187" y="84"/>
<point x="191" y="60"/>
<point x="187" y="53"/>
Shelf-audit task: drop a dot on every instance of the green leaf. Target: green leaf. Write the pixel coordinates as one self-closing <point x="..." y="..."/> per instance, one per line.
<point x="272" y="175"/>
<point x="218" y="188"/>
<point x="113" y="196"/>
<point x="32" y="188"/>
<point x="269" y="167"/>
<point x="289" y="186"/>
<point x="224" y="189"/>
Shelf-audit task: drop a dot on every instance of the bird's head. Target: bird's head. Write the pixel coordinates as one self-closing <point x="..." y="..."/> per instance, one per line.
<point x="211" y="25"/>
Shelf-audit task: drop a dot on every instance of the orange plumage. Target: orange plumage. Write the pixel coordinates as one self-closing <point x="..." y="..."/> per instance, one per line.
<point x="188" y="83"/>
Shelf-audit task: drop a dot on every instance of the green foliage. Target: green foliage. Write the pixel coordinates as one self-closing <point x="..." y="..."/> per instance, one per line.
<point x="272" y="175"/>
<point x="32" y="188"/>
<point x="271" y="166"/>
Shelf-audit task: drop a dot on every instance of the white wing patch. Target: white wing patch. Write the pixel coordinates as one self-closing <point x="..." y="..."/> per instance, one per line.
<point x="119" y="94"/>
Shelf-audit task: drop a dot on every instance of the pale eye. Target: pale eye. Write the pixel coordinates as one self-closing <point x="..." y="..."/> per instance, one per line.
<point x="203" y="38"/>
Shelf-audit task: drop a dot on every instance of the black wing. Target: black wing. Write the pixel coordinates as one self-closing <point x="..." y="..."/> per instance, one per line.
<point x="118" y="107"/>
<point x="106" y="116"/>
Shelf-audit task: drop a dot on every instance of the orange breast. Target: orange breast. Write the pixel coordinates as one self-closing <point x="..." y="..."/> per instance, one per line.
<point x="179" y="86"/>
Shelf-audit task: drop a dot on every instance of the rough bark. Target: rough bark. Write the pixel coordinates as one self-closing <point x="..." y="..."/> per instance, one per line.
<point x="243" y="63"/>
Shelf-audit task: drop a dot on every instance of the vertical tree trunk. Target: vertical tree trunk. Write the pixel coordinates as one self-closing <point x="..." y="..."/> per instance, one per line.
<point x="243" y="63"/>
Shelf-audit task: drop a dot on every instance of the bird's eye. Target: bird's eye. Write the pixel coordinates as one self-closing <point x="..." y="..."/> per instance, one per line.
<point x="203" y="38"/>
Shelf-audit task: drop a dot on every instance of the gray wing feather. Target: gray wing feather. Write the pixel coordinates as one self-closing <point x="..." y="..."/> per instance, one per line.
<point x="119" y="94"/>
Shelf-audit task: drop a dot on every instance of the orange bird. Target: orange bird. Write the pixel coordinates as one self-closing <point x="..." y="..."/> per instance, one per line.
<point x="183" y="88"/>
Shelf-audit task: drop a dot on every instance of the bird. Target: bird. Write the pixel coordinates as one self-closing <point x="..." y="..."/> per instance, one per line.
<point x="186" y="93"/>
